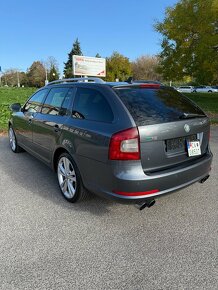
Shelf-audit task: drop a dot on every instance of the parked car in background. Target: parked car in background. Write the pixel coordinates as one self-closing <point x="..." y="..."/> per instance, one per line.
<point x="128" y="142"/>
<point x="203" y="89"/>
<point x="185" y="89"/>
<point x="215" y="89"/>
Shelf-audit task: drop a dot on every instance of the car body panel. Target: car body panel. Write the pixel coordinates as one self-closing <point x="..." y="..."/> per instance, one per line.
<point x="130" y="177"/>
<point x="22" y="124"/>
<point x="154" y="154"/>
<point x="46" y="131"/>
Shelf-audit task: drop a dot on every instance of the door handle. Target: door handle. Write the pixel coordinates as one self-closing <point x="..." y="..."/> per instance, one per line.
<point x="30" y="119"/>
<point x="56" y="128"/>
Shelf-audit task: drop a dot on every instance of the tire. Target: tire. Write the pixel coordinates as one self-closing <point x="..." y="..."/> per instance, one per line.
<point x="69" y="179"/>
<point x="209" y="91"/>
<point x="13" y="141"/>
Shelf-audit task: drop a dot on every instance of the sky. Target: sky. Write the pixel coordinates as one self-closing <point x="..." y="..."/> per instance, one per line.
<point x="34" y="30"/>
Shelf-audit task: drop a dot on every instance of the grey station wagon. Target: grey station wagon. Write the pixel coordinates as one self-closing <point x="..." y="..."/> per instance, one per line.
<point x="129" y="142"/>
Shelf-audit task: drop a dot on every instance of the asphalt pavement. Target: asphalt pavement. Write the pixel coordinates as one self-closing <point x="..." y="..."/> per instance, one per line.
<point x="47" y="243"/>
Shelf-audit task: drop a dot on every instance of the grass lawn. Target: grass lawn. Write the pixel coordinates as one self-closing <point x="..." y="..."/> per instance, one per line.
<point x="207" y="101"/>
<point x="15" y="95"/>
<point x="9" y="96"/>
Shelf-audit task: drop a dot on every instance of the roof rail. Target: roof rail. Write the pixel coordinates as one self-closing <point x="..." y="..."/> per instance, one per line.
<point x="79" y="80"/>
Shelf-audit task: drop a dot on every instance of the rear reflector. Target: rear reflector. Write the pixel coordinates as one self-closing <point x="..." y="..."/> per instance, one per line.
<point x="141" y="193"/>
<point x="150" y="86"/>
<point x="124" y="145"/>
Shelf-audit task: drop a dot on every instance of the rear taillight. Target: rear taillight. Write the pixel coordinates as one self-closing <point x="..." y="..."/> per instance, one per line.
<point x="124" y="145"/>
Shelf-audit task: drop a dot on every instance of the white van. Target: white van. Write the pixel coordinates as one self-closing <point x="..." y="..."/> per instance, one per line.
<point x="185" y="89"/>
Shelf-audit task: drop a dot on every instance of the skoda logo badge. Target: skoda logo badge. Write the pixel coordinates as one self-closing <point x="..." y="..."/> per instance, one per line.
<point x="187" y="128"/>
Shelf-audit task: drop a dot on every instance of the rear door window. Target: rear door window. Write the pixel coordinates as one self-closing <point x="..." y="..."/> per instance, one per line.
<point x="91" y="105"/>
<point x="155" y="106"/>
<point x="56" y="99"/>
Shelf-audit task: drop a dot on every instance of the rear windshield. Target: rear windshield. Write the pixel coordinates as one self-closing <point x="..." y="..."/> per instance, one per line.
<point x="155" y="106"/>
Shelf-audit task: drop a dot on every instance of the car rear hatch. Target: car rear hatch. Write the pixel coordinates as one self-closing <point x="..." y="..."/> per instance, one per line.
<point x="173" y="131"/>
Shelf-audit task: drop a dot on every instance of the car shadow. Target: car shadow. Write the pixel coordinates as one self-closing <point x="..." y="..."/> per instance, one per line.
<point x="29" y="174"/>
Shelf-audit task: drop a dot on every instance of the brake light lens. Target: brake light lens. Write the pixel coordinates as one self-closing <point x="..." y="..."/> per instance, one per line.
<point x="124" y="145"/>
<point x="150" y="86"/>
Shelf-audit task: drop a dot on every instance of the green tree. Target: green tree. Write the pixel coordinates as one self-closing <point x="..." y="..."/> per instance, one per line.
<point x="68" y="66"/>
<point x="190" y="41"/>
<point x="36" y="75"/>
<point x="118" y="67"/>
<point x="53" y="74"/>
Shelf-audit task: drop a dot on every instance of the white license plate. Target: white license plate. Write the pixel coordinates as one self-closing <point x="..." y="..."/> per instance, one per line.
<point x="194" y="148"/>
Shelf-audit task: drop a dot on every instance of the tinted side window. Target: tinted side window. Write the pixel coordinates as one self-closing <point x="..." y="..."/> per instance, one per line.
<point x="35" y="102"/>
<point x="54" y="101"/>
<point x="67" y="101"/>
<point x="92" y="105"/>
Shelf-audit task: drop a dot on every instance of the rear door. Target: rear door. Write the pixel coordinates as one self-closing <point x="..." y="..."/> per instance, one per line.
<point x="167" y="123"/>
<point x="91" y="123"/>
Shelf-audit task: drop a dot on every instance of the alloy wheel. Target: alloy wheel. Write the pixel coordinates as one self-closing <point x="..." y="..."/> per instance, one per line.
<point x="12" y="139"/>
<point x="67" y="177"/>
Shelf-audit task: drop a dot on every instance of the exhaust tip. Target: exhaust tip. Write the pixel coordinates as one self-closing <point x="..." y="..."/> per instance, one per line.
<point x="204" y="179"/>
<point x="151" y="203"/>
<point x="144" y="204"/>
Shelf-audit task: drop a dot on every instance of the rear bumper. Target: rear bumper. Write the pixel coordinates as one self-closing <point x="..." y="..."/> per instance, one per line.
<point x="124" y="179"/>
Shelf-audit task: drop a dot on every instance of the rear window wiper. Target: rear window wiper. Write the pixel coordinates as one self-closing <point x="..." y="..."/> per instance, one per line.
<point x="191" y="115"/>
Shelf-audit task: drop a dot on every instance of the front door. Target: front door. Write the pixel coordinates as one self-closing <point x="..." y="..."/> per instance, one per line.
<point x="24" y="119"/>
<point x="48" y="124"/>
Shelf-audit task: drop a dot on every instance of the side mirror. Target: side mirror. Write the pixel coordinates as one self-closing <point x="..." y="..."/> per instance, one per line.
<point x="16" y="107"/>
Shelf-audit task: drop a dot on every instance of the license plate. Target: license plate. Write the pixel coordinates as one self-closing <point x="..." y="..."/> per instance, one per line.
<point x="194" y="148"/>
<point x="178" y="145"/>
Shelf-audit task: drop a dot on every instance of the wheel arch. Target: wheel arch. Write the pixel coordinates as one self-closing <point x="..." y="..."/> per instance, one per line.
<point x="57" y="153"/>
<point x="9" y="123"/>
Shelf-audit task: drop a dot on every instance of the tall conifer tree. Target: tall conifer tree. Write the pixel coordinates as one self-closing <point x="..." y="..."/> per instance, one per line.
<point x="68" y="66"/>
